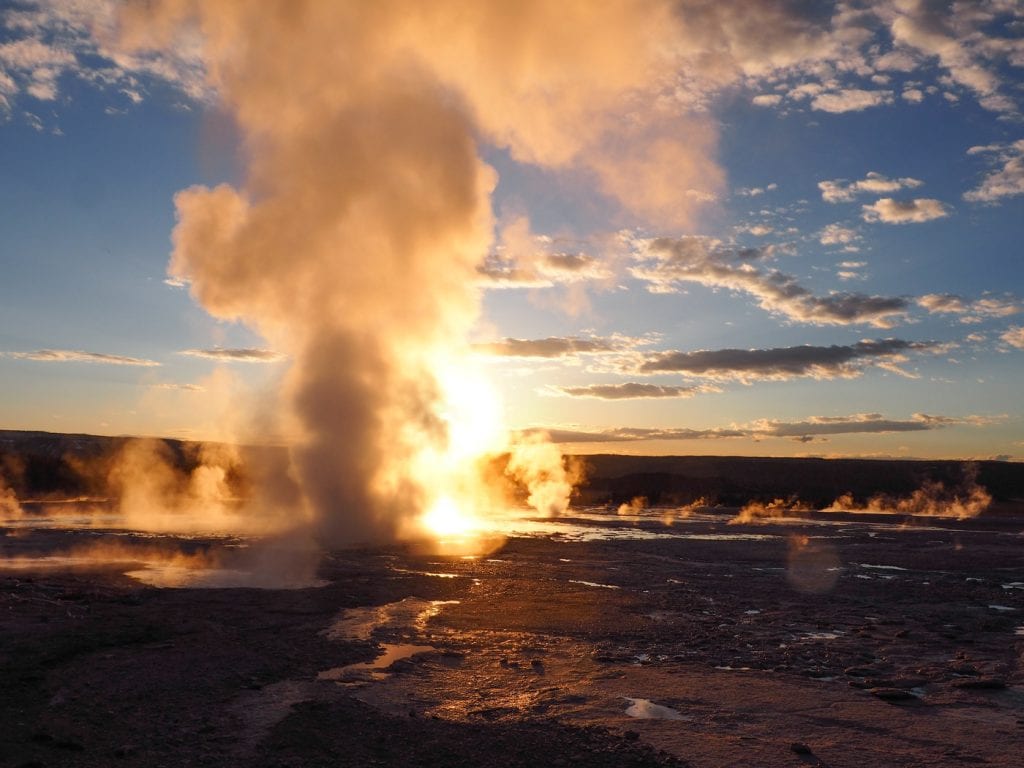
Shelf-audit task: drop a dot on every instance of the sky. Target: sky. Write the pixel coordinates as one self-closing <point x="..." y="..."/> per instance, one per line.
<point x="739" y="228"/>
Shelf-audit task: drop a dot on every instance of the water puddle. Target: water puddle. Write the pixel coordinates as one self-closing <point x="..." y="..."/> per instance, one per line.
<point x="593" y="584"/>
<point x="435" y="574"/>
<point x="1002" y="608"/>
<point x="1019" y="631"/>
<point x="167" y="576"/>
<point x="410" y="612"/>
<point x="833" y="635"/>
<point x="369" y="671"/>
<point x="645" y="709"/>
<point x="261" y="710"/>
<point x="882" y="567"/>
<point x="1014" y="585"/>
<point x="176" y="576"/>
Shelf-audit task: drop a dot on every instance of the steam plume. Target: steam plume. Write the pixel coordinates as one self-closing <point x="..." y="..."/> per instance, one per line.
<point x="932" y="499"/>
<point x="354" y="243"/>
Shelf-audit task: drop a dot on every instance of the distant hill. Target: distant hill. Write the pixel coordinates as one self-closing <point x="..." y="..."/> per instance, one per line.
<point x="45" y="464"/>
<point x="735" y="480"/>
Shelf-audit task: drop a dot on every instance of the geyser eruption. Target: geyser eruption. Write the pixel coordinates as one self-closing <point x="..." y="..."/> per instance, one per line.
<point x="354" y="242"/>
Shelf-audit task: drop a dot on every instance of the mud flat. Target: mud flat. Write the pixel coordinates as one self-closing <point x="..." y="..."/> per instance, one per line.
<point x="835" y="640"/>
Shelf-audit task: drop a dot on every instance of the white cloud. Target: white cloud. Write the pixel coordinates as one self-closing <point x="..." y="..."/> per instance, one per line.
<point x="50" y="41"/>
<point x="664" y="263"/>
<point x="80" y="356"/>
<point x="766" y="100"/>
<point x="842" y="191"/>
<point x="850" y="100"/>
<point x="857" y="423"/>
<point x="559" y="346"/>
<point x="970" y="311"/>
<point x="913" y="95"/>
<point x="889" y="211"/>
<point x="635" y="391"/>
<point x="958" y="36"/>
<point x="1007" y="181"/>
<point x="836" y="234"/>
<point x="238" y="355"/>
<point x="1014" y="337"/>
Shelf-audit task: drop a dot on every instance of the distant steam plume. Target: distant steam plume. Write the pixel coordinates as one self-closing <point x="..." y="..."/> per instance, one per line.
<point x="355" y="243"/>
<point x="932" y="499"/>
<point x="9" y="506"/>
<point x="760" y="512"/>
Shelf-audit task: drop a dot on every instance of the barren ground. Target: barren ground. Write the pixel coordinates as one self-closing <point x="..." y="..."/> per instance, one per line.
<point x="859" y="642"/>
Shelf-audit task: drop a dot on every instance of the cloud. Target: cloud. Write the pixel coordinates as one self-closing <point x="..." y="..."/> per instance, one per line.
<point x="542" y="271"/>
<point x="48" y="42"/>
<point x="80" y="356"/>
<point x="632" y="434"/>
<point x="913" y="95"/>
<point x="766" y="100"/>
<point x="634" y="391"/>
<point x="841" y="191"/>
<point x="664" y="263"/>
<point x="178" y="387"/>
<point x="1014" y="337"/>
<point x="756" y="191"/>
<point x="784" y="363"/>
<point x="527" y="260"/>
<point x="240" y="355"/>
<point x="836" y="234"/>
<point x="891" y="211"/>
<point x="557" y="346"/>
<point x="970" y="311"/>
<point x="804" y="431"/>
<point x="850" y="270"/>
<point x="1007" y="181"/>
<point x="960" y="38"/>
<point x="850" y="100"/>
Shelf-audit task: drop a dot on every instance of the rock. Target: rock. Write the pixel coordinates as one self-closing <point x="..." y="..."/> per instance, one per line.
<point x="981" y="684"/>
<point x="858" y="672"/>
<point x="631" y="735"/>
<point x="892" y="694"/>
<point x="125" y="750"/>
<point x="800" y="748"/>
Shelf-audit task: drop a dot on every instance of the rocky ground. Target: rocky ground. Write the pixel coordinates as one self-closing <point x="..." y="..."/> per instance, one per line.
<point x="844" y="641"/>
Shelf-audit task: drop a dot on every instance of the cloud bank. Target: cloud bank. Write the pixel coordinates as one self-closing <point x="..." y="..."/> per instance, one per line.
<point x="240" y="355"/>
<point x="664" y="263"/>
<point x="784" y="363"/>
<point x="81" y="356"/>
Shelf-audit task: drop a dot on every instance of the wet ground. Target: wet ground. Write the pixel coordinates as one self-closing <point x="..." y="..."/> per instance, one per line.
<point x="602" y="640"/>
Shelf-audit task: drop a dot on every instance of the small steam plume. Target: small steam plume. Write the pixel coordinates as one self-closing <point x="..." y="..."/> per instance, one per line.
<point x="354" y="243"/>
<point x="932" y="499"/>
<point x="635" y="506"/>
<point x="760" y="512"/>
<point x="197" y="493"/>
<point x="9" y="506"/>
<point x="10" y="467"/>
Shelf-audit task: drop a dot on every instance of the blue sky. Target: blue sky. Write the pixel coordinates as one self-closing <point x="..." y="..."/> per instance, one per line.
<point x="837" y="272"/>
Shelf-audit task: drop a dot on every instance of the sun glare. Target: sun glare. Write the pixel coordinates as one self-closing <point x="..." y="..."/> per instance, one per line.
<point x="445" y="518"/>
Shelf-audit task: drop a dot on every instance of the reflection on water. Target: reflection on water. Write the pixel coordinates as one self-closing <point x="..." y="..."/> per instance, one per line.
<point x="377" y="669"/>
<point x="164" y="576"/>
<point x="593" y="584"/>
<point x="648" y="710"/>
<point x="411" y="612"/>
